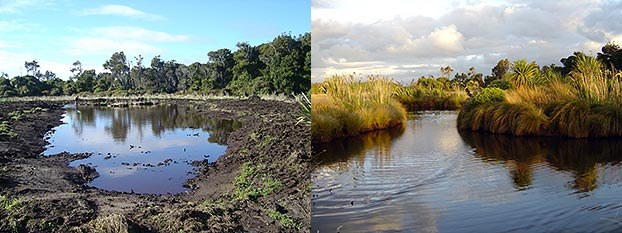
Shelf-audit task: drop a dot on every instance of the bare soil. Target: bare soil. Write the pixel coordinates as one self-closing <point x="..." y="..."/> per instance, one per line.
<point x="52" y="196"/>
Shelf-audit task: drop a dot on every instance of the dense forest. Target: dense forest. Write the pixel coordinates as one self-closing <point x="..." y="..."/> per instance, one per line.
<point x="282" y="66"/>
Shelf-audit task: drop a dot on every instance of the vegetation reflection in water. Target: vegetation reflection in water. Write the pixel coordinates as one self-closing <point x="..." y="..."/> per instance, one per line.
<point x="429" y="176"/>
<point x="521" y="154"/>
<point x="141" y="149"/>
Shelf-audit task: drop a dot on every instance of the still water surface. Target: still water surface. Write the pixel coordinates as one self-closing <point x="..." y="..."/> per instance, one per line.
<point x="141" y="149"/>
<point x="428" y="177"/>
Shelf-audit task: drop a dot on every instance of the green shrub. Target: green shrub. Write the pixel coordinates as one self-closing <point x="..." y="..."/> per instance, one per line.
<point x="489" y="95"/>
<point x="500" y="83"/>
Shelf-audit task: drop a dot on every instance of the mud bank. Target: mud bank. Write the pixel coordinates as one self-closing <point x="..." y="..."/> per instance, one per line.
<point x="260" y="184"/>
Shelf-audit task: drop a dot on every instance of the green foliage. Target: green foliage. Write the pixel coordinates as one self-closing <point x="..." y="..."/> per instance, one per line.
<point x="8" y="204"/>
<point x="281" y="66"/>
<point x="500" y="83"/>
<point x="429" y="93"/>
<point x="488" y="95"/>
<point x="284" y="219"/>
<point x="6" y="130"/>
<point x="523" y="73"/>
<point x="15" y="115"/>
<point x="586" y="103"/>
<point x="252" y="184"/>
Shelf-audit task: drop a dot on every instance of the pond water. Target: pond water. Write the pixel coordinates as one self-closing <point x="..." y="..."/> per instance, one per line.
<point x="428" y="177"/>
<point x="141" y="149"/>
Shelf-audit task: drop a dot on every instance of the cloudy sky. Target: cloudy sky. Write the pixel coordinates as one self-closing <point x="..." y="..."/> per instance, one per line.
<point x="410" y="38"/>
<point x="58" y="32"/>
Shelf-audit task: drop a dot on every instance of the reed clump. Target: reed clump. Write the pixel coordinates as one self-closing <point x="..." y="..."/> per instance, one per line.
<point x="344" y="106"/>
<point x="586" y="103"/>
<point x="431" y="94"/>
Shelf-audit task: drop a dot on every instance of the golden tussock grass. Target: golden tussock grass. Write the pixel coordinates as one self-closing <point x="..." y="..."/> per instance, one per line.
<point x="587" y="103"/>
<point x="343" y="106"/>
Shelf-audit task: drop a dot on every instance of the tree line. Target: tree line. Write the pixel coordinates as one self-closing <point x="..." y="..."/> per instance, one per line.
<point x="472" y="81"/>
<point x="282" y="66"/>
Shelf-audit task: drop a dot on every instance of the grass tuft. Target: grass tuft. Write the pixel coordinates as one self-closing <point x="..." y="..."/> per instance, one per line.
<point x="587" y="103"/>
<point x="343" y="106"/>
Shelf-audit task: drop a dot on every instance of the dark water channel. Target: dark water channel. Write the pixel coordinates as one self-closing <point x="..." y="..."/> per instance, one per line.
<point x="141" y="149"/>
<point x="428" y="177"/>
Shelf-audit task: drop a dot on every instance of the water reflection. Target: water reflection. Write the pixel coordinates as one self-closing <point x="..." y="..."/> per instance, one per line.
<point x="428" y="177"/>
<point x="580" y="157"/>
<point x="141" y="149"/>
<point x="158" y="119"/>
<point x="355" y="148"/>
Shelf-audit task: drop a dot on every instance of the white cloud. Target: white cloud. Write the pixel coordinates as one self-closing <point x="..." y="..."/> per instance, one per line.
<point x="120" y="10"/>
<point x="137" y="33"/>
<point x="461" y="33"/>
<point x="131" y="40"/>
<point x="107" y="46"/>
<point x="16" y="6"/>
<point x="9" y="26"/>
<point x="13" y="64"/>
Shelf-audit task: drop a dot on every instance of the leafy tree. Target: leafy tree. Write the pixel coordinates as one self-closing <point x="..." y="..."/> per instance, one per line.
<point x="26" y="85"/>
<point x="137" y="73"/>
<point x="220" y="65"/>
<point x="32" y="68"/>
<point x="119" y="68"/>
<point x="85" y="82"/>
<point x="570" y="62"/>
<point x="246" y="69"/>
<point x="282" y="65"/>
<point x="170" y="76"/>
<point x="446" y="71"/>
<point x="523" y="73"/>
<point x="69" y="88"/>
<point x="48" y="75"/>
<point x="499" y="71"/>
<point x="284" y="61"/>
<point x="54" y="87"/>
<point x="611" y="56"/>
<point x="76" y="69"/>
<point x="104" y="82"/>
<point x="183" y="77"/>
<point x="6" y="88"/>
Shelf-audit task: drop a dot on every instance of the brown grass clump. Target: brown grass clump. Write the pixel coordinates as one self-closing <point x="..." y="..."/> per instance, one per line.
<point x="587" y="103"/>
<point x="342" y="106"/>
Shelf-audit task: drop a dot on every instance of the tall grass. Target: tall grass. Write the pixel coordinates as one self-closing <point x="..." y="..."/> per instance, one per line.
<point x="430" y="94"/>
<point x="344" y="106"/>
<point x="587" y="103"/>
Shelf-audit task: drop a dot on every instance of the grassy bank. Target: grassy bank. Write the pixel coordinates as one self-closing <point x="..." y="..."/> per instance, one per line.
<point x="585" y="103"/>
<point x="431" y="94"/>
<point x="343" y="106"/>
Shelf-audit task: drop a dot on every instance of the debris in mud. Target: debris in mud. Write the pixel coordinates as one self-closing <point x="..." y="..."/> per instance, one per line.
<point x="87" y="172"/>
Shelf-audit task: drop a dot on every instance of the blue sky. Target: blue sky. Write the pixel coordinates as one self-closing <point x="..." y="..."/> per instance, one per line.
<point x="58" y="32"/>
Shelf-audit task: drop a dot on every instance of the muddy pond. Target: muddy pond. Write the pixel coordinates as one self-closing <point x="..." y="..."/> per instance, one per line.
<point x="140" y="149"/>
<point x="429" y="177"/>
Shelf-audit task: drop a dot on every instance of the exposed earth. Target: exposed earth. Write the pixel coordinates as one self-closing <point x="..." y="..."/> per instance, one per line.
<point x="260" y="184"/>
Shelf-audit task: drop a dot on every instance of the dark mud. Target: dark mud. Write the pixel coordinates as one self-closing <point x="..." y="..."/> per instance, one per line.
<point x="272" y="194"/>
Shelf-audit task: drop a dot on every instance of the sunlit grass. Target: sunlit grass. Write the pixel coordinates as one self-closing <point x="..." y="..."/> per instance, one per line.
<point x="435" y="96"/>
<point x="343" y="106"/>
<point x="587" y="103"/>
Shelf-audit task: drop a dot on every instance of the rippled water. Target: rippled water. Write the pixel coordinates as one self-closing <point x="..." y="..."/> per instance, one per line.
<point x="428" y="177"/>
<point x="141" y="149"/>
